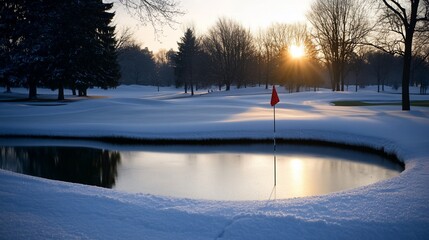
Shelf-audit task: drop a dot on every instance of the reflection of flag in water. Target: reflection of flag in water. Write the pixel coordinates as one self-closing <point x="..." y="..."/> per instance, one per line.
<point x="274" y="97"/>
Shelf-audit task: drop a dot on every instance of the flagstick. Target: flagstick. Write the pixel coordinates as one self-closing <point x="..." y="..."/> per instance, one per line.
<point x="275" y="160"/>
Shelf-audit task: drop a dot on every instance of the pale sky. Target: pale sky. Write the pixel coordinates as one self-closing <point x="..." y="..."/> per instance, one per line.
<point x="253" y="14"/>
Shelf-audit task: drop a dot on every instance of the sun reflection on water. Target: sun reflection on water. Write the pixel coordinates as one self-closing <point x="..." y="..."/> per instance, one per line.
<point x="219" y="173"/>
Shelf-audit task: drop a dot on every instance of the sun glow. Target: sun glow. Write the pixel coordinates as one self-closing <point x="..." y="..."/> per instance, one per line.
<point x="297" y="51"/>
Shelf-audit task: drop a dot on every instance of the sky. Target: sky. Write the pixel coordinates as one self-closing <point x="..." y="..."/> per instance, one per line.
<point x="252" y="14"/>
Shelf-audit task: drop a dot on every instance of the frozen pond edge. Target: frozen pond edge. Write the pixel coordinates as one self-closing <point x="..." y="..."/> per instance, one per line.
<point x="125" y="143"/>
<point x="287" y="211"/>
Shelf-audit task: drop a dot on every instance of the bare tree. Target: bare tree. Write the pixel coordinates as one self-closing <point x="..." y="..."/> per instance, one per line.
<point x="157" y="12"/>
<point x="259" y="54"/>
<point x="379" y="62"/>
<point x="403" y="23"/>
<point x="161" y="56"/>
<point x="266" y="49"/>
<point x="305" y="70"/>
<point x="230" y="46"/>
<point x="124" y="38"/>
<point x="274" y="45"/>
<point x="280" y="35"/>
<point x="339" y="27"/>
<point x="357" y="64"/>
<point x="273" y="42"/>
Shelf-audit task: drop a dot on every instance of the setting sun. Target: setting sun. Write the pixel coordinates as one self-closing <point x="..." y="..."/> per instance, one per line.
<point x="297" y="51"/>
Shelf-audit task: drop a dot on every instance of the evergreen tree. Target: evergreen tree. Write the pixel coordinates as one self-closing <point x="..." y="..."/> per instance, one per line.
<point x="67" y="46"/>
<point x="185" y="60"/>
<point x="98" y="62"/>
<point x="85" y="48"/>
<point x="11" y="13"/>
<point x="58" y="44"/>
<point x="28" y="46"/>
<point x="137" y="65"/>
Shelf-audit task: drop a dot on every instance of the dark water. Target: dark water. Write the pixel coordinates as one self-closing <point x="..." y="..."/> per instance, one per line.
<point x="230" y="172"/>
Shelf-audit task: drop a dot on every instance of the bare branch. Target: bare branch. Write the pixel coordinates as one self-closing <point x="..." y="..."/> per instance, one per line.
<point x="158" y="13"/>
<point x="401" y="13"/>
<point x="124" y="38"/>
<point x="339" y="27"/>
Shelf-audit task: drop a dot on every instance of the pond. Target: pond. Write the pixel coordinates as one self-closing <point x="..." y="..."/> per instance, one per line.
<point x="223" y="172"/>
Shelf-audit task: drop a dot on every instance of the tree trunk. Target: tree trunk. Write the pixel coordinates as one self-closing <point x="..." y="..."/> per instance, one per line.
<point x="82" y="92"/>
<point x="336" y="77"/>
<point x="267" y="77"/>
<point x="61" y="92"/>
<point x="32" y="93"/>
<point x="356" y="84"/>
<point x="406" y="72"/>
<point x="192" y="81"/>
<point x="228" y="87"/>
<point x="378" y="82"/>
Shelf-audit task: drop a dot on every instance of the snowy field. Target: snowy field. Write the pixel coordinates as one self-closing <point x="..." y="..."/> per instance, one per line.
<point x="398" y="208"/>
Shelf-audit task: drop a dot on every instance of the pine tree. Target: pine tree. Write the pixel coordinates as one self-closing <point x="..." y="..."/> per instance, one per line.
<point x="85" y="48"/>
<point x="109" y="73"/>
<point x="11" y="12"/>
<point x="185" y="60"/>
<point x="58" y="44"/>
<point x="98" y="59"/>
<point x="27" y="41"/>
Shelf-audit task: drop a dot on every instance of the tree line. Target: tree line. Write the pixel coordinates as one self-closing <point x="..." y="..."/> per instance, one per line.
<point x="68" y="44"/>
<point x="346" y="42"/>
<point x="141" y="66"/>
<point x="397" y="27"/>
<point x="58" y="44"/>
<point x="229" y="54"/>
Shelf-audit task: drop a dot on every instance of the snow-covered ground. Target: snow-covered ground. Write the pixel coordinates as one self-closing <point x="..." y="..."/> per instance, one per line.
<point x="398" y="208"/>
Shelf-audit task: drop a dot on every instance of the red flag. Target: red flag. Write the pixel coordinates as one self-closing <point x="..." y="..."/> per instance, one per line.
<point x="274" y="97"/>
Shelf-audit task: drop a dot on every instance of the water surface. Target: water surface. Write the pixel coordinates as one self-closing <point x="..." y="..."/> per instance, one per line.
<point x="227" y="172"/>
